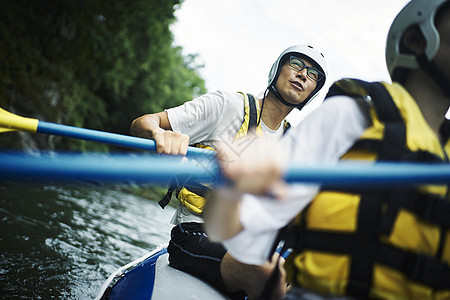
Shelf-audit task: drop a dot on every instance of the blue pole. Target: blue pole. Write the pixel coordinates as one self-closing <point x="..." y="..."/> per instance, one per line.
<point x="118" y="168"/>
<point x="160" y="169"/>
<point x="109" y="138"/>
<point x="370" y="174"/>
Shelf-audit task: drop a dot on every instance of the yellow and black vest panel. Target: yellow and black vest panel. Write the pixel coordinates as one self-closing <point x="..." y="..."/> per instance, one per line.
<point x="388" y="243"/>
<point x="192" y="194"/>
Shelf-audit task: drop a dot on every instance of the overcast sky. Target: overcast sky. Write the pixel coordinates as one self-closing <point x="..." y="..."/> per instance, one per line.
<point x="238" y="41"/>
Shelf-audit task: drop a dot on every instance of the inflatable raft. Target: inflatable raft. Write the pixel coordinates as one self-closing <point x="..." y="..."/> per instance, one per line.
<point x="151" y="277"/>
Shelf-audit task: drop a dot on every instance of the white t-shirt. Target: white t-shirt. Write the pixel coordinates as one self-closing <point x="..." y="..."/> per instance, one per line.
<point x="212" y="117"/>
<point x="322" y="137"/>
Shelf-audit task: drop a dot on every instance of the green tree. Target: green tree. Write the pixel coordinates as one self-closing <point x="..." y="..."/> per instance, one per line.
<point x="90" y="63"/>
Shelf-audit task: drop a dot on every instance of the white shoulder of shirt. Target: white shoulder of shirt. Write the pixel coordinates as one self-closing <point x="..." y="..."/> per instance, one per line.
<point x="327" y="132"/>
<point x="200" y="117"/>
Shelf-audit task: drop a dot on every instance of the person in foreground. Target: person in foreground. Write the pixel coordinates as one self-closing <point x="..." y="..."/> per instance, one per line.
<point x="295" y="78"/>
<point x="355" y="242"/>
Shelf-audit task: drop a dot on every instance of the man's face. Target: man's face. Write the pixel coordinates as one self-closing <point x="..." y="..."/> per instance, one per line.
<point x="293" y="85"/>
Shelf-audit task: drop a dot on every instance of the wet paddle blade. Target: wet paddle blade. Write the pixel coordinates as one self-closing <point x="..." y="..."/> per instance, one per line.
<point x="12" y="122"/>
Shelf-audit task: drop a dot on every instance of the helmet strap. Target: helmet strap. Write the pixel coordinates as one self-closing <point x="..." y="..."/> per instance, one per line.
<point x="444" y="131"/>
<point x="433" y="71"/>
<point x="282" y="100"/>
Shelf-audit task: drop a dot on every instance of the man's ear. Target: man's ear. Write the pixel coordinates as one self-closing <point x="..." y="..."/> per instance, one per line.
<point x="413" y="41"/>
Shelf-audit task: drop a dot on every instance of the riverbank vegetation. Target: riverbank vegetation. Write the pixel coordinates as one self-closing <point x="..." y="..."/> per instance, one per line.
<point x="90" y="63"/>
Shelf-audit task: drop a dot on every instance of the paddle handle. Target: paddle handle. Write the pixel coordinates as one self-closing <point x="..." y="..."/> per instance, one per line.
<point x="13" y="122"/>
<point x="118" y="168"/>
<point x="160" y="169"/>
<point x="109" y="138"/>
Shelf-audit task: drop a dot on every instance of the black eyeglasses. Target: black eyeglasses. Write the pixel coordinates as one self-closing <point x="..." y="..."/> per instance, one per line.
<point x="298" y="64"/>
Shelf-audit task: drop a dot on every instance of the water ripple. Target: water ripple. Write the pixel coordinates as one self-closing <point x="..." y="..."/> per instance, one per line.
<point x="63" y="241"/>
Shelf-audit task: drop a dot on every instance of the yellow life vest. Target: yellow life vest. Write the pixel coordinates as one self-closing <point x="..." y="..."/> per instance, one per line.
<point x="388" y="243"/>
<point x="192" y="195"/>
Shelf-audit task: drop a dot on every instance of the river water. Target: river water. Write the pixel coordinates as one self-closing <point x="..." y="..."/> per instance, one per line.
<point x="62" y="241"/>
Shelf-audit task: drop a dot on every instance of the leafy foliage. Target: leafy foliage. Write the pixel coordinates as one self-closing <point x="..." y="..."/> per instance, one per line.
<point x="90" y="63"/>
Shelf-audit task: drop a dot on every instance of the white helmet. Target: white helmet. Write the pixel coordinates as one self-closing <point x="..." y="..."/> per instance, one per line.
<point x="302" y="50"/>
<point x="422" y="14"/>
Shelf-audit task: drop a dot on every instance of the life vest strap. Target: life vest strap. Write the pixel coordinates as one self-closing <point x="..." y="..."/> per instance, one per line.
<point x="167" y="197"/>
<point x="328" y="241"/>
<point x="180" y="181"/>
<point x="417" y="267"/>
<point x="253" y="116"/>
<point x="394" y="144"/>
<point x="199" y="189"/>
<point x="286" y="127"/>
<point x="184" y="180"/>
<point x="375" y="146"/>
<point x="427" y="207"/>
<point x="444" y="131"/>
<point x="364" y="245"/>
<point x="364" y="252"/>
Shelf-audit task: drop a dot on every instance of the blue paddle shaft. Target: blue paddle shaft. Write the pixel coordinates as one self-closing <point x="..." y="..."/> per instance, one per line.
<point x="154" y="168"/>
<point x="159" y="169"/>
<point x="108" y="138"/>
<point x="367" y="174"/>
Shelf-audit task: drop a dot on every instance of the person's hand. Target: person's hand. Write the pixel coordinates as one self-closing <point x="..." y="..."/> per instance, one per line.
<point x="157" y="127"/>
<point x="255" y="165"/>
<point x="170" y="142"/>
<point x="254" y="278"/>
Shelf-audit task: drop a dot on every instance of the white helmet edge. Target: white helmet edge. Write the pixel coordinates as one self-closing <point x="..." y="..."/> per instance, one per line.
<point x="417" y="12"/>
<point x="308" y="51"/>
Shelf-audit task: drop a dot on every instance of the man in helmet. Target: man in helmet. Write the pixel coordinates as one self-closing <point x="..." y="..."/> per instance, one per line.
<point x="355" y="242"/>
<point x="295" y="78"/>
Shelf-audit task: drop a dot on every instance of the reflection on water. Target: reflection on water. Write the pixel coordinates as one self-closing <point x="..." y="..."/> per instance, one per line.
<point x="63" y="241"/>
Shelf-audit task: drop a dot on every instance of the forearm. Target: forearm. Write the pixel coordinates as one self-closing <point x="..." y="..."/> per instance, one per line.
<point x="146" y="126"/>
<point x="222" y="214"/>
<point x="157" y="127"/>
